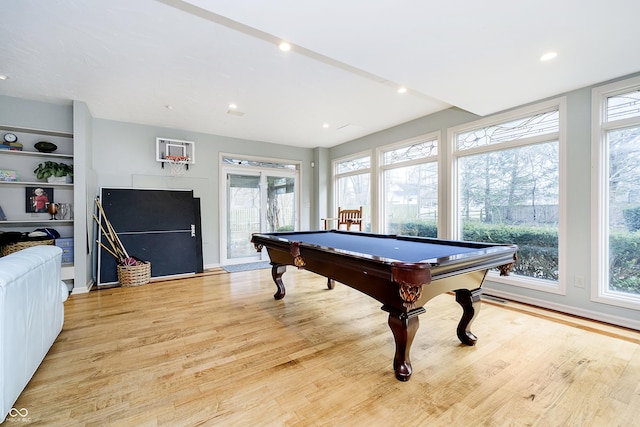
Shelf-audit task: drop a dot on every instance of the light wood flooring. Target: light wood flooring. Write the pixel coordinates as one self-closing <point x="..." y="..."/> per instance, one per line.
<point x="218" y="350"/>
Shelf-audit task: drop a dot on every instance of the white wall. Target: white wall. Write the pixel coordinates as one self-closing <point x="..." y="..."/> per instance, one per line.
<point x="124" y="156"/>
<point x="84" y="178"/>
<point x="36" y="115"/>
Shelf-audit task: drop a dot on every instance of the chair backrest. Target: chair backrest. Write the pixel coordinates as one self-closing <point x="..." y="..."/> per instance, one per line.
<point x="350" y="217"/>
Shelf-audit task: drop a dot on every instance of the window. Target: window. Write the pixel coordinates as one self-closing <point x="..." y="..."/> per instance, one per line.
<point x="616" y="148"/>
<point x="353" y="185"/>
<point x="507" y="189"/>
<point x="260" y="195"/>
<point x="409" y="193"/>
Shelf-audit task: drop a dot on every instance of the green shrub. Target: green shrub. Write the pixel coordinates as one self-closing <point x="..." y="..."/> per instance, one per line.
<point x="520" y="235"/>
<point x="632" y="218"/>
<point x="416" y="228"/>
<point x="537" y="246"/>
<point x="624" y="268"/>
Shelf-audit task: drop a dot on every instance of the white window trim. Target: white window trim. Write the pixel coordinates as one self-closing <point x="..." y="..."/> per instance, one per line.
<point x="599" y="193"/>
<point x="335" y="162"/>
<point x="405" y="143"/>
<point x="451" y="226"/>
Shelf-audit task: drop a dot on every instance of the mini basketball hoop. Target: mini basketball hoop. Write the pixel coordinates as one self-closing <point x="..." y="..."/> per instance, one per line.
<point x="178" y="153"/>
<point x="178" y="165"/>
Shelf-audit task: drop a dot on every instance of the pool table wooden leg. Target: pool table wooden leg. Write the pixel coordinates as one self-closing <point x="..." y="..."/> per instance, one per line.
<point x="277" y="270"/>
<point x="404" y="327"/>
<point x="331" y="284"/>
<point x="470" y="303"/>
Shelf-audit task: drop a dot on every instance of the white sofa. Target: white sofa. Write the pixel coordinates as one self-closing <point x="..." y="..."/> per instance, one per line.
<point x="31" y="316"/>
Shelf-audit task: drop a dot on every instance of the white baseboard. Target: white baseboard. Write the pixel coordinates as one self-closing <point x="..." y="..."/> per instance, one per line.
<point x="82" y="289"/>
<point x="575" y="311"/>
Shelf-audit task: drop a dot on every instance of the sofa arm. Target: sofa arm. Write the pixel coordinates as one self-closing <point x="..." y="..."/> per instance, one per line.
<point x="31" y="315"/>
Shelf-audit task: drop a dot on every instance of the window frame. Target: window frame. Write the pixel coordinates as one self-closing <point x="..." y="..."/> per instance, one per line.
<point x="372" y="184"/>
<point x="452" y="227"/>
<point x="382" y="168"/>
<point x="600" y="291"/>
<point x="264" y="166"/>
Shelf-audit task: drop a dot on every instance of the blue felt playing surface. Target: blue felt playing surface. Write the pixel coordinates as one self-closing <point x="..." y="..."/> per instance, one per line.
<point x="387" y="247"/>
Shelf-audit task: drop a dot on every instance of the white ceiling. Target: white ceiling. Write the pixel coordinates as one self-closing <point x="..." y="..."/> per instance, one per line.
<point x="129" y="59"/>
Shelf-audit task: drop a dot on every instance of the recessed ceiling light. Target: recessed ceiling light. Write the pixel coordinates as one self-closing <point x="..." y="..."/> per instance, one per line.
<point x="169" y="107"/>
<point x="548" y="56"/>
<point x="402" y="89"/>
<point x="325" y="125"/>
<point x="284" y="46"/>
<point x="232" y="106"/>
<point x="4" y="77"/>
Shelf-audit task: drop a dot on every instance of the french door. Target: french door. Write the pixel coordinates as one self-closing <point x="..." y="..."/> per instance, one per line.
<point x="255" y="200"/>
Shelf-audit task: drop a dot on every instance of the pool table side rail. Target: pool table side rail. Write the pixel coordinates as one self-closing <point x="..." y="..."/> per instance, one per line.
<point x="484" y="253"/>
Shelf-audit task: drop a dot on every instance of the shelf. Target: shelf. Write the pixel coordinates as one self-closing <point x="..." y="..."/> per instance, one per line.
<point x="36" y="221"/>
<point x="36" y="184"/>
<point x="36" y="154"/>
<point x="23" y="162"/>
<point x="14" y="129"/>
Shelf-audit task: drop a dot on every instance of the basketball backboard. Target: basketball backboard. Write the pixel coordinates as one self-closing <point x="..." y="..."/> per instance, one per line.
<point x="175" y="148"/>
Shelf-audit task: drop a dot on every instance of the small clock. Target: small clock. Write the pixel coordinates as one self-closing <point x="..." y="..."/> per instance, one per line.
<point x="10" y="137"/>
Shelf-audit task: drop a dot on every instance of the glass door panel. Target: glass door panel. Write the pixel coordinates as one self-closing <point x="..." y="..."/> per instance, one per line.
<point x="256" y="201"/>
<point x="281" y="201"/>
<point x="243" y="214"/>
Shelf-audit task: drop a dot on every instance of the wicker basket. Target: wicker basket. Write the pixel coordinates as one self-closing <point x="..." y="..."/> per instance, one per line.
<point x="134" y="275"/>
<point x="18" y="246"/>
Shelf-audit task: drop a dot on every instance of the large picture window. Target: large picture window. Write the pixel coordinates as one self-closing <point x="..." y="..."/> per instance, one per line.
<point x="410" y="187"/>
<point x="353" y="185"/>
<point x="617" y="193"/>
<point x="507" y="174"/>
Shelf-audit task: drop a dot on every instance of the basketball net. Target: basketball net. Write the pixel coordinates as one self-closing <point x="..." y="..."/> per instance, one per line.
<point x="178" y="165"/>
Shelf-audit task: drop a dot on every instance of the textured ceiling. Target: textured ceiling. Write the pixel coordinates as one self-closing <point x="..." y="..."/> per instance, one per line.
<point x="128" y="60"/>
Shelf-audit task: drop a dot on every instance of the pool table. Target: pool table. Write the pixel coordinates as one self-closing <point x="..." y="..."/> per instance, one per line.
<point x="401" y="272"/>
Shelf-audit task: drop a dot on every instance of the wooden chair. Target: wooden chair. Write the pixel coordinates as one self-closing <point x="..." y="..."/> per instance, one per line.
<point x="350" y="217"/>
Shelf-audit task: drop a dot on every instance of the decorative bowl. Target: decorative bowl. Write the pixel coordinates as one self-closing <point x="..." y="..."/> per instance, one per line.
<point x="45" y="147"/>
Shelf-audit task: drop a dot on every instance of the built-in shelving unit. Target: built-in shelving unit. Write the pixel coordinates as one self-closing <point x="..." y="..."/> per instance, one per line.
<point x="13" y="194"/>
